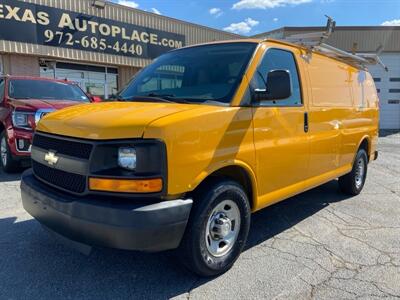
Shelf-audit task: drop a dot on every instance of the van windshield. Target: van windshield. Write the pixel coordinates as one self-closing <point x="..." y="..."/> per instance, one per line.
<point x="45" y="90"/>
<point x="201" y="74"/>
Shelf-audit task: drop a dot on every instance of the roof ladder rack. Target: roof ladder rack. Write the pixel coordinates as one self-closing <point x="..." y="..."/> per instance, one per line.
<point x="315" y="42"/>
<point x="312" y="39"/>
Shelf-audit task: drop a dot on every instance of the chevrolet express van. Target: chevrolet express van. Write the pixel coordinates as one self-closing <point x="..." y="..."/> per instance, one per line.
<point x="199" y="140"/>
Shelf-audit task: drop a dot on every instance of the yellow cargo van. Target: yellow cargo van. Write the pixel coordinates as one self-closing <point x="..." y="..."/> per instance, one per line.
<point x="199" y="140"/>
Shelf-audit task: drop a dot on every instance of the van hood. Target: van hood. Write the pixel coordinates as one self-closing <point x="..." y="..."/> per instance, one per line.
<point x="105" y="121"/>
<point x="35" y="104"/>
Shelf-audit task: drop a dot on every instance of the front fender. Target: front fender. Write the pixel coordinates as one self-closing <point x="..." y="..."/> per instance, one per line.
<point x="230" y="163"/>
<point x="203" y="140"/>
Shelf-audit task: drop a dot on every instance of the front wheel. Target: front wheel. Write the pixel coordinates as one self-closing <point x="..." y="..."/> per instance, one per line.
<point x="217" y="229"/>
<point x="353" y="183"/>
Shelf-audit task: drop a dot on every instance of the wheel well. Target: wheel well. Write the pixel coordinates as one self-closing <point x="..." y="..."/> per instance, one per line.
<point x="235" y="173"/>
<point x="365" y="145"/>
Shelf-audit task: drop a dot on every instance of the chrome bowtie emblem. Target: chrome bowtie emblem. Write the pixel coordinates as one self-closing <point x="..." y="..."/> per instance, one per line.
<point x="51" y="158"/>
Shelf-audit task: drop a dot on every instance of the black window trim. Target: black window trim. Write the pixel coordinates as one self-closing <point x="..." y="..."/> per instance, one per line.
<point x="253" y="104"/>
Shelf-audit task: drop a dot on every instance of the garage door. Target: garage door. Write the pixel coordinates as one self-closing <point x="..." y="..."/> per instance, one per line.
<point x="388" y="85"/>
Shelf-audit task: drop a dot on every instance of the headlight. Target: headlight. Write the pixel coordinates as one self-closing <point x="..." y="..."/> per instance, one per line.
<point x="127" y="158"/>
<point x="21" y="119"/>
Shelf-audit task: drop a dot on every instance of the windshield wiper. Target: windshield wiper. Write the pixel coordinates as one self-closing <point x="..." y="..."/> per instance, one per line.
<point x="168" y="98"/>
<point x="139" y="98"/>
<point x="116" y="98"/>
<point x="21" y="98"/>
<point x="161" y="95"/>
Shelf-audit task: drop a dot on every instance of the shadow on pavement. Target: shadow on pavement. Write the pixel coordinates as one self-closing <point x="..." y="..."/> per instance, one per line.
<point x="6" y="177"/>
<point x="277" y="218"/>
<point x="33" y="265"/>
<point x="388" y="132"/>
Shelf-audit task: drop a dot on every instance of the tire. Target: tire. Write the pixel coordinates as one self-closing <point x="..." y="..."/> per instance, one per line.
<point x="353" y="183"/>
<point x="209" y="246"/>
<point x="7" y="162"/>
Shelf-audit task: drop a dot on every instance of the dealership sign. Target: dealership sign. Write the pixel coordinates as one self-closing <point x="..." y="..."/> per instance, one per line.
<point x="44" y="25"/>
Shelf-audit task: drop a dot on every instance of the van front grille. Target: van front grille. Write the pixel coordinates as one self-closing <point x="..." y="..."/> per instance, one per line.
<point x="65" y="180"/>
<point x="71" y="148"/>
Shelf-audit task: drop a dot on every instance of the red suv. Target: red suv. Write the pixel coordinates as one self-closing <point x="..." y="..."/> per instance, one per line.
<point x="23" y="102"/>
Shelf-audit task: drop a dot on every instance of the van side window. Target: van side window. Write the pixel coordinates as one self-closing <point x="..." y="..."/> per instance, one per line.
<point x="276" y="59"/>
<point x="1" y="90"/>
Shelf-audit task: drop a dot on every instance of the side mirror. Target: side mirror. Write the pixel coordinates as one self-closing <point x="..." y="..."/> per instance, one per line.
<point x="278" y="86"/>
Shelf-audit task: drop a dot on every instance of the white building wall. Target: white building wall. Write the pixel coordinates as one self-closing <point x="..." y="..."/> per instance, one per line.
<point x="388" y="85"/>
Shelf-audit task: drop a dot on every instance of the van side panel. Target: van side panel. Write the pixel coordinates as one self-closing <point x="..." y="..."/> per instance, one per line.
<point x="331" y="82"/>
<point x="343" y="112"/>
<point x="331" y="108"/>
<point x="364" y="121"/>
<point x="373" y="105"/>
<point x="366" y="104"/>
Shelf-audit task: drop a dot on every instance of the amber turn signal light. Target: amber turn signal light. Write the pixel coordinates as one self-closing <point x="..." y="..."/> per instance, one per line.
<point x="126" y="185"/>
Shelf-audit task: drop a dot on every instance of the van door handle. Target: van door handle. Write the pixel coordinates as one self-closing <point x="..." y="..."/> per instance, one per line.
<point x="306" y="122"/>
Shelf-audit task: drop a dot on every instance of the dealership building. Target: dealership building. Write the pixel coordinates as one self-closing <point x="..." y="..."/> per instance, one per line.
<point x="101" y="45"/>
<point x="366" y="39"/>
<point x="98" y="44"/>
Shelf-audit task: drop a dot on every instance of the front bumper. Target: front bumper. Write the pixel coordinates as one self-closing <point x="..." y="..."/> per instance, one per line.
<point x="121" y="224"/>
<point x="14" y="134"/>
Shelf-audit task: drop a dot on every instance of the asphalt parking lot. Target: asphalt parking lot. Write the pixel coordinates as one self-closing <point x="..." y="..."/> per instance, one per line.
<point x="319" y="244"/>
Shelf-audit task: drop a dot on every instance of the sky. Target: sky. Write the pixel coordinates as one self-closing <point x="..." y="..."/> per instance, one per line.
<point x="250" y="17"/>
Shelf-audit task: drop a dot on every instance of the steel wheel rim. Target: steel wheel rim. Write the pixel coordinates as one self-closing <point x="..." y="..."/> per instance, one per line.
<point x="360" y="169"/>
<point x="223" y="228"/>
<point x="3" y="150"/>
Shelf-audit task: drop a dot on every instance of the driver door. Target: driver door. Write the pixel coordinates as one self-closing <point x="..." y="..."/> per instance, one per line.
<point x="281" y="143"/>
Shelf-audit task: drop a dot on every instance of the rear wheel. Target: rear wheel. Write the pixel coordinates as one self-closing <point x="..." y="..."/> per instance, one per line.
<point x="353" y="182"/>
<point x="217" y="229"/>
<point x="7" y="161"/>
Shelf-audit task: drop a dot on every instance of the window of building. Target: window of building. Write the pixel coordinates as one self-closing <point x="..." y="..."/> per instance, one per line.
<point x="377" y="79"/>
<point x="395" y="79"/>
<point x="276" y="59"/>
<point x="394" y="90"/>
<point x="95" y="80"/>
<point x="378" y="90"/>
<point x="393" y="101"/>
